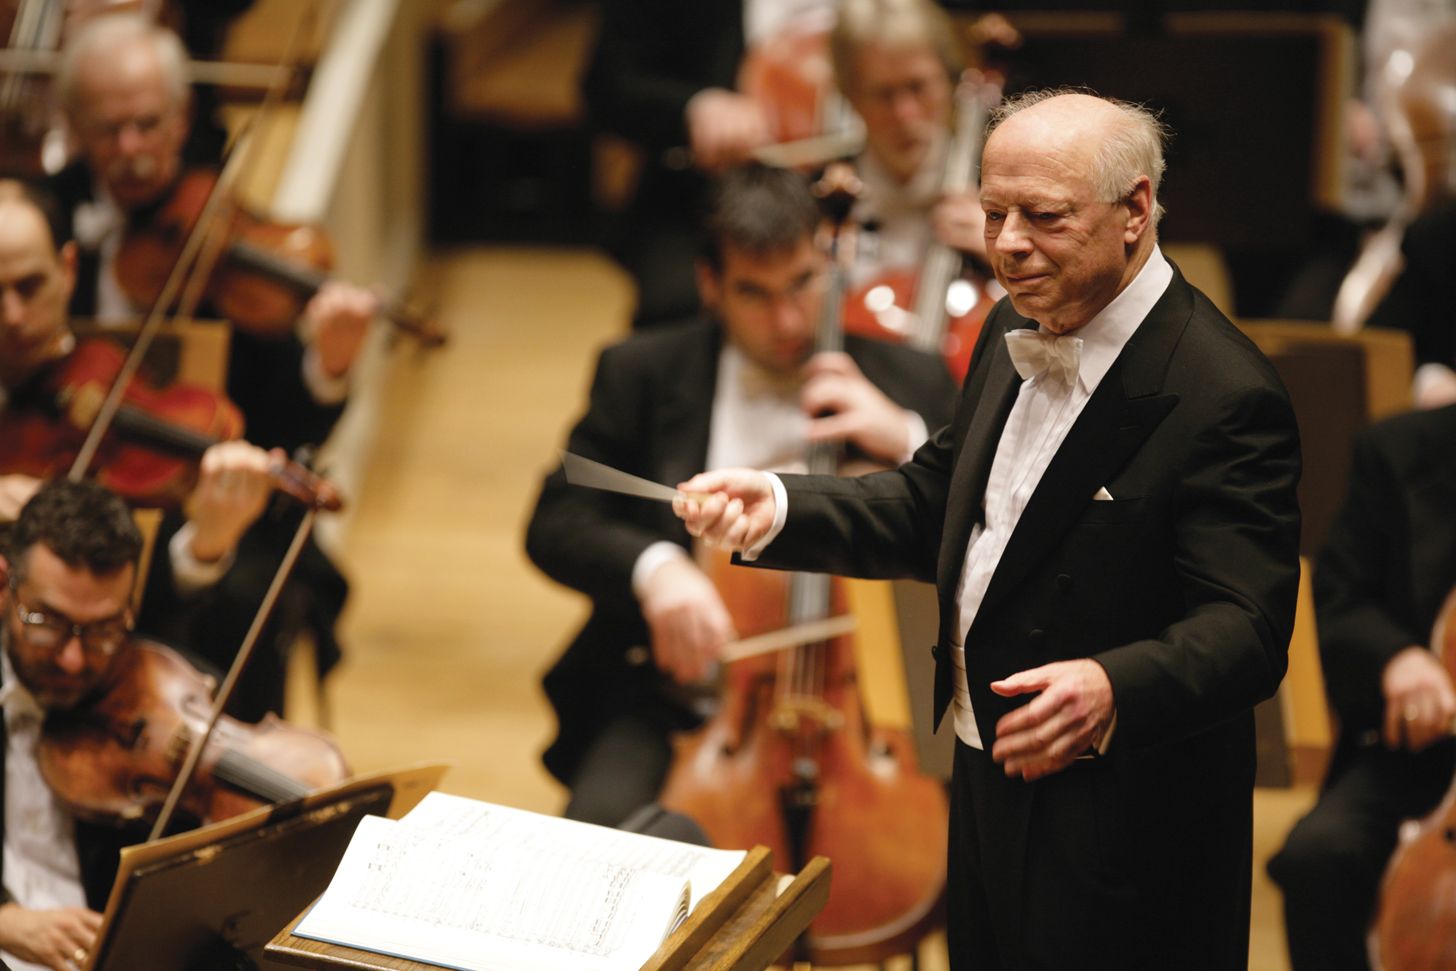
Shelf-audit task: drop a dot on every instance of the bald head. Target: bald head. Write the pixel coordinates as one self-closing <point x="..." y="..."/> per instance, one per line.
<point x="1069" y="197"/>
<point x="36" y="279"/>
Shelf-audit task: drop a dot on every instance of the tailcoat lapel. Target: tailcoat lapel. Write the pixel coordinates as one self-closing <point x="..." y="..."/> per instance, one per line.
<point x="682" y="419"/>
<point x="1127" y="405"/>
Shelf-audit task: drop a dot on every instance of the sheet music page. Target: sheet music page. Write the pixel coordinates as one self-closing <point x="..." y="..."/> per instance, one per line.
<point x="480" y="887"/>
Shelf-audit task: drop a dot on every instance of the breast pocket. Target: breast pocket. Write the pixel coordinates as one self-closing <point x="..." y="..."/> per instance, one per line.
<point x="1115" y="510"/>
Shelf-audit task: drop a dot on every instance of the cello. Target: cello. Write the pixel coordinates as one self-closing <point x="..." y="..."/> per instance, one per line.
<point x="790" y="762"/>
<point x="1415" y="921"/>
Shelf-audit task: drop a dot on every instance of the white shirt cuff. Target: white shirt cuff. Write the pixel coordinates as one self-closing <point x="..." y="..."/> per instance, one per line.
<point x="189" y="574"/>
<point x="326" y="390"/>
<point x="917" y="436"/>
<point x="650" y="559"/>
<point x="1434" y="385"/>
<point x="781" y="515"/>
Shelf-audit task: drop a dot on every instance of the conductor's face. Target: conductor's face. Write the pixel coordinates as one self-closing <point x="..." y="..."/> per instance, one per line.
<point x="768" y="302"/>
<point x="1061" y="249"/>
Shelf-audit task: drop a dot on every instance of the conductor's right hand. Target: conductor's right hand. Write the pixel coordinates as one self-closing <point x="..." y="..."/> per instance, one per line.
<point x="729" y="508"/>
<point x="687" y="619"/>
<point x="59" y="939"/>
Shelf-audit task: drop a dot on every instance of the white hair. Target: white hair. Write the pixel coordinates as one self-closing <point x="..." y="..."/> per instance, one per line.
<point x="102" y="36"/>
<point x="1130" y="150"/>
<point x="896" y="23"/>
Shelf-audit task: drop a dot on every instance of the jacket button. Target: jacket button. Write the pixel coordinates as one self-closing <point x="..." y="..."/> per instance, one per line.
<point x="1035" y="635"/>
<point x="1064" y="582"/>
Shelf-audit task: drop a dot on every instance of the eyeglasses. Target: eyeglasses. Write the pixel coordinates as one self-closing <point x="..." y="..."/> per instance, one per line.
<point x="49" y="632"/>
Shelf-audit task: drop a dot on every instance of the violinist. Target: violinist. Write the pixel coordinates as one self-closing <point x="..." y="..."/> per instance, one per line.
<point x="69" y="571"/>
<point x="736" y="383"/>
<point x="124" y="89"/>
<point x="37" y="275"/>
<point x="1386" y="568"/>
<point x="896" y="61"/>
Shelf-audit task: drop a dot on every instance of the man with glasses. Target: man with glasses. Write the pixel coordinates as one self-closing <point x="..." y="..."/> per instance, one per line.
<point x="70" y="567"/>
<point x="741" y="383"/>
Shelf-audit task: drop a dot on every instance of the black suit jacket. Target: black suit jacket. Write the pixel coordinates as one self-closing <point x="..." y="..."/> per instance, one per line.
<point x="649" y="414"/>
<point x="1389" y="561"/>
<point x="1183" y="588"/>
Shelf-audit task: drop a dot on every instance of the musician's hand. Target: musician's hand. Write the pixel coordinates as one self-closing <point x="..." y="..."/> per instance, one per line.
<point x="724" y="127"/>
<point x="1420" y="705"/>
<point x="59" y="939"/>
<point x="736" y="514"/>
<point x="337" y="320"/>
<point x="15" y="492"/>
<point x="233" y="485"/>
<point x="849" y="408"/>
<point x="687" y="619"/>
<point x="1067" y="718"/>
<point x="959" y="222"/>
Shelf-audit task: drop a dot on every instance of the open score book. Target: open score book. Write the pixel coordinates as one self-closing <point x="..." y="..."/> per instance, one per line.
<point x="466" y="884"/>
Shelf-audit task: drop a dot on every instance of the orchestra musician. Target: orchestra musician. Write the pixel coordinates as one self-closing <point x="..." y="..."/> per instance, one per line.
<point x="69" y="569"/>
<point x="1387" y="566"/>
<point x="737" y="384"/>
<point x="1420" y="301"/>
<point x="896" y="62"/>
<point x="124" y="89"/>
<point x="37" y="273"/>
<point x="1113" y="527"/>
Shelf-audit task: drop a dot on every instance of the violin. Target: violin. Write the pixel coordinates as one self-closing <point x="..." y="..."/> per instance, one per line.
<point x="790" y="761"/>
<point x="937" y="307"/>
<point x="264" y="273"/>
<point x="150" y="456"/>
<point x="1415" y="921"/>
<point x="114" y="760"/>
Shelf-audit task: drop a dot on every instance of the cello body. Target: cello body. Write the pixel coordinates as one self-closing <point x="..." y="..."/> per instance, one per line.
<point x="789" y="762"/>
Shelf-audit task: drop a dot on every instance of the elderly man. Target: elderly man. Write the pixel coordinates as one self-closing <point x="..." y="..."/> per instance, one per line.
<point x="896" y="62"/>
<point x="124" y="88"/>
<point x="69" y="569"/>
<point x="739" y="385"/>
<point x="1112" y="525"/>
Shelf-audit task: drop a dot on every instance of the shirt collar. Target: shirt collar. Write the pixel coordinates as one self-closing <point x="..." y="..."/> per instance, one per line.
<point x="17" y="700"/>
<point x="1104" y="336"/>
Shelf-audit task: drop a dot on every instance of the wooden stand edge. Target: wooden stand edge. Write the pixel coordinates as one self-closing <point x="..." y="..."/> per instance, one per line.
<point x="744" y="925"/>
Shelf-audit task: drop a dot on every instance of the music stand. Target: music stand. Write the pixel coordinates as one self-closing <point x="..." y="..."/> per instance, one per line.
<point x="211" y="898"/>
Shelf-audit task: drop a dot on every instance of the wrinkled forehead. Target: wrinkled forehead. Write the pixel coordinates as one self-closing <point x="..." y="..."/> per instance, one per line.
<point x="128" y="77"/>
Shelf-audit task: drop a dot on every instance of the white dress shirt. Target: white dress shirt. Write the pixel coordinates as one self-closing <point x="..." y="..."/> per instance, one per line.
<point x="1043" y="414"/>
<point x="757" y="422"/>
<point x="42" y="869"/>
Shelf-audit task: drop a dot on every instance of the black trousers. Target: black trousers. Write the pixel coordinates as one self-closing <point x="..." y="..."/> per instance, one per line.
<point x="623" y="770"/>
<point x="1034" y="879"/>
<point x="1332" y="862"/>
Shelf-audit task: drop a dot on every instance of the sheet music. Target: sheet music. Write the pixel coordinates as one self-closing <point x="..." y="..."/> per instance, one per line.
<point x="471" y="885"/>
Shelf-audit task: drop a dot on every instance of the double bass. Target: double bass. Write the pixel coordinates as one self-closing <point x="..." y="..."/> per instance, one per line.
<point x="790" y="761"/>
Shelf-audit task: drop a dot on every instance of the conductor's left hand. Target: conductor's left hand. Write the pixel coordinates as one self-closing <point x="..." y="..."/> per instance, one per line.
<point x="731" y="508"/>
<point x="1066" y="719"/>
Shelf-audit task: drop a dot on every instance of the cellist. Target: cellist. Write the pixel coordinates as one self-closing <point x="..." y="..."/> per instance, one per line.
<point x="1388" y="563"/>
<point x="896" y="61"/>
<point x="37" y="272"/>
<point x="734" y="383"/>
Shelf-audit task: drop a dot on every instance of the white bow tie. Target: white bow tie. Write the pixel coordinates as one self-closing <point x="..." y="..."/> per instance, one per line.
<point x="1033" y="352"/>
